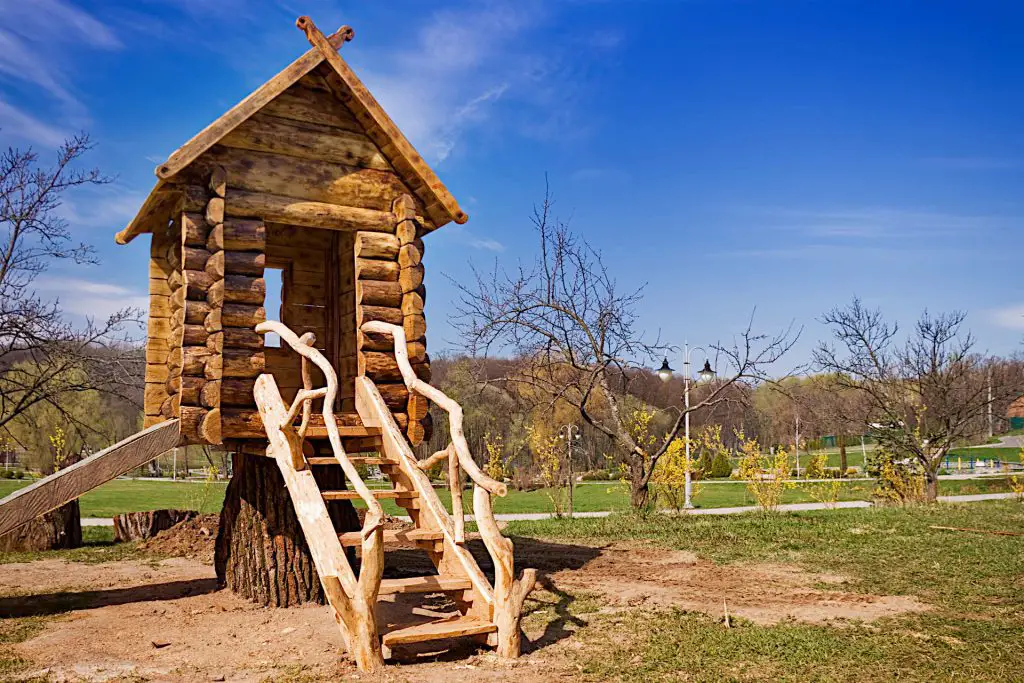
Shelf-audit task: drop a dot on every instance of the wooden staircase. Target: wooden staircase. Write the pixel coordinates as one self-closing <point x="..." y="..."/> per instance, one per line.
<point x="371" y="437"/>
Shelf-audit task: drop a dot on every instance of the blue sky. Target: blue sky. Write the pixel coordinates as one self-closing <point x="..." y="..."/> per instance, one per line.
<point x="773" y="154"/>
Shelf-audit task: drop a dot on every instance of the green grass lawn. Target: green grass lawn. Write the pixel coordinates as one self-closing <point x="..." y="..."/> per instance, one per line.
<point x="971" y="581"/>
<point x="123" y="495"/>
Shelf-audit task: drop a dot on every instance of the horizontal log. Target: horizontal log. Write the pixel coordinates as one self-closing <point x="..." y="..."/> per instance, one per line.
<point x="300" y="103"/>
<point x="193" y="198"/>
<point x="237" y="392"/>
<point x="171" y="406"/>
<point x="172" y="255"/>
<point x="395" y="395"/>
<point x="156" y="353"/>
<point x="173" y="384"/>
<point x="242" y="315"/>
<point x="197" y="283"/>
<point x="380" y="367"/>
<point x="382" y="313"/>
<point x="210" y="431"/>
<point x="193" y="360"/>
<point x="159" y="328"/>
<point x="308" y="179"/>
<point x="192" y="313"/>
<point x="241" y="338"/>
<point x="410" y="278"/>
<point x="159" y="269"/>
<point x="417" y="407"/>
<point x="269" y="134"/>
<point x="237" y="289"/>
<point x="410" y="255"/>
<point x="159" y="286"/>
<point x="218" y="184"/>
<point x="209" y="397"/>
<point x="156" y="372"/>
<point x="415" y="327"/>
<point x="215" y="211"/>
<point x="214" y="368"/>
<point x="194" y="335"/>
<point x="376" y="245"/>
<point x="279" y="209"/>
<point x="194" y="258"/>
<point x="378" y="293"/>
<point x="191" y="387"/>
<point x="174" y="280"/>
<point x="242" y="363"/>
<point x="159" y="306"/>
<point x="283" y="235"/>
<point x="237" y="263"/>
<point x="406" y="230"/>
<point x="215" y="342"/>
<point x="238" y="234"/>
<point x="245" y="423"/>
<point x="191" y="421"/>
<point x="194" y="230"/>
<point x="412" y="302"/>
<point x="374" y="269"/>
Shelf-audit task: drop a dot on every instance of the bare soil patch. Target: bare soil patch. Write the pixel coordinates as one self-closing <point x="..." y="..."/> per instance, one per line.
<point x="165" y="619"/>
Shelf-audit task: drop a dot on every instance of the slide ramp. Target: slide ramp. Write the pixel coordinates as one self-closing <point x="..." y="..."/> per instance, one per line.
<point x="61" y="487"/>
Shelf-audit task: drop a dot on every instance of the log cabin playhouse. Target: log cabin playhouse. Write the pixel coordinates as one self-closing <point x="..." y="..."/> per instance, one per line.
<point x="309" y="175"/>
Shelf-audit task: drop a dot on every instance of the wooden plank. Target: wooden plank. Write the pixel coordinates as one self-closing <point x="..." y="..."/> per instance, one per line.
<point x="309" y="179"/>
<point x="247" y="107"/>
<point x="281" y="209"/>
<point x="306" y="141"/>
<point x="392" y="536"/>
<point x="63" y="486"/>
<point x="438" y="630"/>
<point x="312" y="105"/>
<point x="424" y="584"/>
<point x="379" y="494"/>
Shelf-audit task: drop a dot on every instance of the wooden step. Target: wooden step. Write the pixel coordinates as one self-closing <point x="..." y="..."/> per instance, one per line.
<point x="379" y="494"/>
<point x="349" y="425"/>
<point x="356" y="460"/>
<point x="424" y="584"/>
<point x="438" y="630"/>
<point x="355" y="538"/>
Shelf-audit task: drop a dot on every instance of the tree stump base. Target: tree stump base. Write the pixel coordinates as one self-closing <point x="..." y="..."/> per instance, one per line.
<point x="138" y="526"/>
<point x="56" y="530"/>
<point x="261" y="553"/>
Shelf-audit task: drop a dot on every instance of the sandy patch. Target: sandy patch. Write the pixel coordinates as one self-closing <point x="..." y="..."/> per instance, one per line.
<point x="166" y="620"/>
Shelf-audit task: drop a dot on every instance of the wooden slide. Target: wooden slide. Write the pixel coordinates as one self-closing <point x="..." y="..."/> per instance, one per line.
<point x="24" y="505"/>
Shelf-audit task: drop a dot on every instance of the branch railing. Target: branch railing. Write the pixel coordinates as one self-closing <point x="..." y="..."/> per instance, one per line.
<point x="371" y="540"/>
<point x="509" y="593"/>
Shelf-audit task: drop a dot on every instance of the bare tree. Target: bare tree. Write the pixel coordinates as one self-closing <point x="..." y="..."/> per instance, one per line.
<point x="44" y="359"/>
<point x="924" y="395"/>
<point x="575" y="334"/>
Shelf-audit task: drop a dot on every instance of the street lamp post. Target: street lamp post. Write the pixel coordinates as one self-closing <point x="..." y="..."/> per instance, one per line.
<point x="570" y="433"/>
<point x="706" y="373"/>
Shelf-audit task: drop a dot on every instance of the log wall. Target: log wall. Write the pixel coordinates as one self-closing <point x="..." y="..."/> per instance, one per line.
<point x="301" y="187"/>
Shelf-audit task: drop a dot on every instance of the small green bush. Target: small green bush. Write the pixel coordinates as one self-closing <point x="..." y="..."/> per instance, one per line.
<point x="8" y="474"/>
<point x="721" y="466"/>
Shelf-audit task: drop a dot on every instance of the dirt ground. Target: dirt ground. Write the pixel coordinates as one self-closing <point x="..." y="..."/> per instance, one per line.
<point x="165" y="619"/>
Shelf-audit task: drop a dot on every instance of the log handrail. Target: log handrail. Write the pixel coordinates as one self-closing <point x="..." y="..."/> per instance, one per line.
<point x="509" y="593"/>
<point x="304" y="347"/>
<point x="454" y="410"/>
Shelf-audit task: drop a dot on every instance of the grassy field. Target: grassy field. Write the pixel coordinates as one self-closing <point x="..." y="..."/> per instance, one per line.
<point x="124" y="495"/>
<point x="972" y="582"/>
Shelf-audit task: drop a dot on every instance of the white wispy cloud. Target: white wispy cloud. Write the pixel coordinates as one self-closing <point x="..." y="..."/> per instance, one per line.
<point x="36" y="41"/>
<point x="877" y="222"/>
<point x="1009" y="317"/>
<point x="89" y="298"/>
<point x="487" y="244"/>
<point x="17" y="123"/>
<point x="104" y="206"/>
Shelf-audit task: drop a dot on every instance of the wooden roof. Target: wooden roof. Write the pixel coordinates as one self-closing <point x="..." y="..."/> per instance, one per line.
<point x="410" y="166"/>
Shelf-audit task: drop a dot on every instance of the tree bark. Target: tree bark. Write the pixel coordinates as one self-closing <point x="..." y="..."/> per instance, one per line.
<point x="56" y="530"/>
<point x="639" y="489"/>
<point x="261" y="553"/>
<point x="931" y="486"/>
<point x="842" y="454"/>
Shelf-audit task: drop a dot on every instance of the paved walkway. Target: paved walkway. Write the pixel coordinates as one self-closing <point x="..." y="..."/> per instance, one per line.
<point x="1014" y="441"/>
<point x="788" y="507"/>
